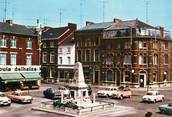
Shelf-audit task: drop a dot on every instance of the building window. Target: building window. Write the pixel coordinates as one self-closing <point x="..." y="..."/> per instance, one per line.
<point x="60" y="51"/>
<point x="109" y="46"/>
<point x="2" y="58"/>
<point x="68" y="50"/>
<point x="61" y="60"/>
<point x="165" y="59"/>
<point x="142" y="59"/>
<point x="127" y="76"/>
<point x="13" y="59"/>
<point x="142" y="45"/>
<point x="29" y="44"/>
<point x="118" y="46"/>
<point x="52" y="58"/>
<point x="87" y="55"/>
<point x="13" y="43"/>
<point x="79" y="55"/>
<point x="44" y="57"/>
<point x="155" y="45"/>
<point x="97" y="41"/>
<point x="166" y="45"/>
<point x="69" y="60"/>
<point x="109" y="59"/>
<point x="127" y="59"/>
<point x="109" y="75"/>
<point x="44" y="45"/>
<point x="127" y="45"/>
<point x="51" y="44"/>
<point x="3" y="42"/>
<point x="155" y="59"/>
<point x="96" y="56"/>
<point x="28" y="59"/>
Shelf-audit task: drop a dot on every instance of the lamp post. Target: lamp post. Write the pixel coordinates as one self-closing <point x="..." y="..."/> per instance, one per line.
<point x="132" y="76"/>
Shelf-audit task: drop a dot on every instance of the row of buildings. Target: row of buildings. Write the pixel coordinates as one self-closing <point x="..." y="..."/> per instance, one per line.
<point x="120" y="52"/>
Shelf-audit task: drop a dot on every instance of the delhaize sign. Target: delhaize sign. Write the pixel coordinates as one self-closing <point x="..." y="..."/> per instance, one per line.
<point x="8" y="68"/>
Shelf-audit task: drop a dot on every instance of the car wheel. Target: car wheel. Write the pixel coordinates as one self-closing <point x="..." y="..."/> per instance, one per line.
<point x="121" y="97"/>
<point x="154" y="101"/>
<point x="162" y="99"/>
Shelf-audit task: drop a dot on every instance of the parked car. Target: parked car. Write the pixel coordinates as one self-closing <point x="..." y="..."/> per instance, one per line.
<point x="107" y="92"/>
<point x="64" y="90"/>
<point x="51" y="94"/>
<point x="153" y="96"/>
<point x="166" y="109"/>
<point x="4" y="100"/>
<point x="122" y="92"/>
<point x="20" y="97"/>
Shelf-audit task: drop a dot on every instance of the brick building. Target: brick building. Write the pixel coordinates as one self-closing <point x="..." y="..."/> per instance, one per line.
<point x="125" y="53"/>
<point x="19" y="56"/>
<point x="57" y="55"/>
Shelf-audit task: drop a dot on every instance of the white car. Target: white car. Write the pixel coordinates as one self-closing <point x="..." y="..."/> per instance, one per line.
<point x="107" y="92"/>
<point x="153" y="96"/>
<point x="63" y="90"/>
<point x="4" y="100"/>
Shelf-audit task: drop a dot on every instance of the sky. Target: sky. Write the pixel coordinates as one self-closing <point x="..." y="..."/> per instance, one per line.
<point x="57" y="13"/>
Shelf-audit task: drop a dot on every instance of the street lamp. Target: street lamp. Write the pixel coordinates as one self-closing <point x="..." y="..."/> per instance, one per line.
<point x="132" y="76"/>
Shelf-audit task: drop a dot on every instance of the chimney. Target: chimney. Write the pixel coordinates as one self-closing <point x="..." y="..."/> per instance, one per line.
<point x="72" y="26"/>
<point x="161" y="31"/>
<point x="88" y="23"/>
<point x="116" y="20"/>
<point x="10" y="22"/>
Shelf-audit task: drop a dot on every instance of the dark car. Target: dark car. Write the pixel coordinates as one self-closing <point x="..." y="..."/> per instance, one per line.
<point x="51" y="94"/>
<point x="166" y="109"/>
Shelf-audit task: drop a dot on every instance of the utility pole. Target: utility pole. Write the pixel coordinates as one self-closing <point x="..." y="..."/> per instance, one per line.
<point x="147" y="9"/>
<point x="103" y="7"/>
<point x="60" y="15"/>
<point x="81" y="11"/>
<point x="5" y="10"/>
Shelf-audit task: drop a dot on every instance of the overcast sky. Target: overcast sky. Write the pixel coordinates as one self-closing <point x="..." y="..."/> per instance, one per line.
<point x="48" y="11"/>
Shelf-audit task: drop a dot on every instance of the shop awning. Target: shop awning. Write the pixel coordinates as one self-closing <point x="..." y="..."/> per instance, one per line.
<point x="31" y="76"/>
<point x="11" y="77"/>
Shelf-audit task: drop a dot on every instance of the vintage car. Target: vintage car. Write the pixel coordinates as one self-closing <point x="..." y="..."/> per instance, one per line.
<point x="64" y="90"/>
<point x="122" y="92"/>
<point x="51" y="94"/>
<point x="152" y="96"/>
<point x="107" y="92"/>
<point x="20" y="97"/>
<point x="166" y="109"/>
<point x="4" y="100"/>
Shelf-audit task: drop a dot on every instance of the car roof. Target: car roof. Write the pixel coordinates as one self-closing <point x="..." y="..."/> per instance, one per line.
<point x="153" y="91"/>
<point x="1" y="93"/>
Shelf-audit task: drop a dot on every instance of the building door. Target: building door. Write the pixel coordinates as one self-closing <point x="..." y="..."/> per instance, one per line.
<point x="142" y="80"/>
<point x="72" y="94"/>
<point x="96" y="77"/>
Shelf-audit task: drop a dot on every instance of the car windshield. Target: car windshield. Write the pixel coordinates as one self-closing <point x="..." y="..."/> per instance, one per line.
<point x="149" y="93"/>
<point x="170" y="104"/>
<point x="110" y="89"/>
<point x="2" y="95"/>
<point x="20" y="93"/>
